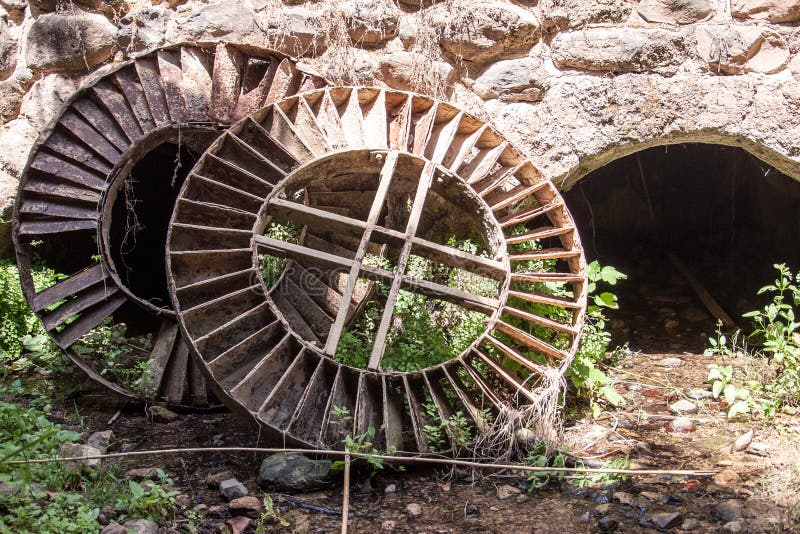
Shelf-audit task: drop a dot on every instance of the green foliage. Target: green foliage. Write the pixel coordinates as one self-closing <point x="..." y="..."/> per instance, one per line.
<point x="148" y="500"/>
<point x="603" y="479"/>
<point x="425" y="332"/>
<point x="775" y="335"/>
<point x="123" y="359"/>
<point x="272" y="267"/>
<point x="456" y="427"/>
<point x="584" y="372"/>
<point x="269" y="516"/>
<point x="538" y="457"/>
<point x="73" y="499"/>
<point x="21" y="333"/>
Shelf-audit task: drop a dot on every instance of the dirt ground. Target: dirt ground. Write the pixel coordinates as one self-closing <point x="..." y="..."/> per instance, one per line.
<point x="755" y="490"/>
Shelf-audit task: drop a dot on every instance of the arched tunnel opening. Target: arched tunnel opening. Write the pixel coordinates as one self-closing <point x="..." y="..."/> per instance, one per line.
<point x="669" y="214"/>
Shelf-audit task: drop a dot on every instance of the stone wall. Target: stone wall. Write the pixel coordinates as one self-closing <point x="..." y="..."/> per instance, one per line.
<point x="575" y="83"/>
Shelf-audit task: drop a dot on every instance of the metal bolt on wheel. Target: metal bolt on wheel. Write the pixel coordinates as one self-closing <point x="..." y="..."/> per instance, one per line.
<point x="73" y="213"/>
<point x="379" y="181"/>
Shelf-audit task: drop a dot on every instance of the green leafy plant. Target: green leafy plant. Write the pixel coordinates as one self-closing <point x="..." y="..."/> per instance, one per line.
<point x="148" y="500"/>
<point x="456" y="427"/>
<point x="721" y="379"/>
<point x="269" y="517"/>
<point x="603" y="479"/>
<point x="538" y="457"/>
<point x="584" y="373"/>
<point x="124" y="359"/>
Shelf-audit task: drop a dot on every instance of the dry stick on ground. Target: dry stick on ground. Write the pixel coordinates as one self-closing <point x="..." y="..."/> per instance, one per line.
<point x="702" y="293"/>
<point x="389" y="458"/>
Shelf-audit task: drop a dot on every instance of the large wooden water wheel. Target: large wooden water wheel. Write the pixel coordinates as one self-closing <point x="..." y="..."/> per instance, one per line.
<point x="345" y="187"/>
<point x="98" y="191"/>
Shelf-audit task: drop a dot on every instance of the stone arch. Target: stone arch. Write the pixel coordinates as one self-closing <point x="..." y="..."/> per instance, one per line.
<point x="585" y="122"/>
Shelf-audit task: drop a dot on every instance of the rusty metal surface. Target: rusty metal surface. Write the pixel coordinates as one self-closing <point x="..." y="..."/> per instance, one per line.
<point x="378" y="171"/>
<point x="184" y="94"/>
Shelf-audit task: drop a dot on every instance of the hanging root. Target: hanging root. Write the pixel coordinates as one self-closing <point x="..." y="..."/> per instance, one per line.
<point x="515" y="430"/>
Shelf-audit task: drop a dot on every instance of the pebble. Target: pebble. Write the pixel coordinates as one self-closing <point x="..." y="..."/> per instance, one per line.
<point x="726" y="478"/>
<point x="690" y="523"/>
<point x="232" y="489"/>
<point x="670" y="362"/>
<point x="389" y="525"/>
<point x="238" y="524"/>
<point x="727" y="510"/>
<point x="201" y="509"/>
<point x="699" y="394"/>
<point x="217" y="510"/>
<point x="607" y="524"/>
<point x="159" y="414"/>
<point x="506" y="492"/>
<point x="389" y="489"/>
<point x="471" y="511"/>
<point x="732" y="526"/>
<point x="414" y="510"/>
<point x="623" y="498"/>
<point x="141" y="526"/>
<point x="666" y="519"/>
<point x="585" y="517"/>
<point x="183" y="500"/>
<point x="742" y="442"/>
<point x="213" y="480"/>
<point x="683" y="406"/>
<point x="246" y="506"/>
<point x="671" y="324"/>
<point x="682" y="424"/>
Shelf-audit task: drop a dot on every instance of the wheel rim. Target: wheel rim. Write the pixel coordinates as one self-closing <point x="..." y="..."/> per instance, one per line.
<point x="83" y="159"/>
<point x="264" y="367"/>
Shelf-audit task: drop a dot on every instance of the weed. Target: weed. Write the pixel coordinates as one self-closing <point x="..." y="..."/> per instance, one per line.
<point x="270" y="515"/>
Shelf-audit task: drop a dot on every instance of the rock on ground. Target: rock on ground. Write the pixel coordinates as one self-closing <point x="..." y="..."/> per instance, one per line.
<point x="141" y="526"/>
<point x="232" y="489"/>
<point x="71" y="450"/>
<point x="69" y="42"/>
<point x="683" y="406"/>
<point x="293" y="472"/>
<point x="246" y="506"/>
<point x="101" y="440"/>
<point x="666" y="520"/>
<point x="214" y="479"/>
<point x="159" y="414"/>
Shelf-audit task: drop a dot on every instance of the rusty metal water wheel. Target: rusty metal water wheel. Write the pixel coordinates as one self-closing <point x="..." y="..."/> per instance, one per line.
<point x="371" y="173"/>
<point x="73" y="213"/>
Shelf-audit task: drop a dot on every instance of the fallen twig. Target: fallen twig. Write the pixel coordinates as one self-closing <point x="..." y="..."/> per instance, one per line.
<point x="416" y="459"/>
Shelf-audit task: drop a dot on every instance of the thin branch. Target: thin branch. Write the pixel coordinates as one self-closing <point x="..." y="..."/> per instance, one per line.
<point x="389" y="458"/>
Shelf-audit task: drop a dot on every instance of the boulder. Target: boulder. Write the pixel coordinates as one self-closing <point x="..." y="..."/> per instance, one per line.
<point x="776" y="11"/>
<point x="219" y="21"/>
<point x="8" y="50"/>
<point x="570" y="14"/>
<point x="486" y="31"/>
<point x="69" y="42"/>
<point x="45" y="98"/>
<point x="730" y="49"/>
<point x="415" y="72"/>
<point x="620" y="50"/>
<point x="370" y="23"/>
<point x="293" y="472"/>
<point x="513" y="80"/>
<point x="101" y="440"/>
<point x="76" y="450"/>
<point x="143" y="29"/>
<point x="14" y="5"/>
<point x="675" y="11"/>
<point x="16" y="139"/>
